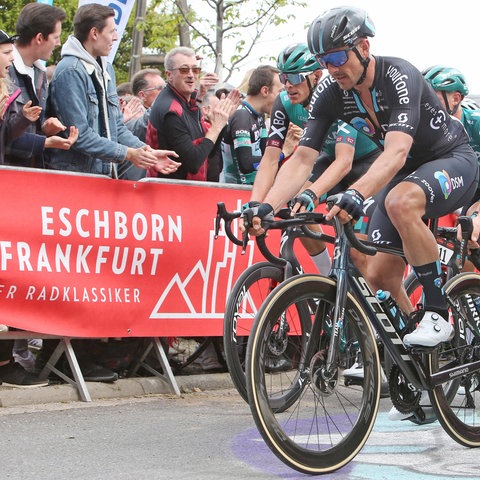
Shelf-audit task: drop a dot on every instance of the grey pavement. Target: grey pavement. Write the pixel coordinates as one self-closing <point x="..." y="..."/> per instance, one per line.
<point x="122" y="388"/>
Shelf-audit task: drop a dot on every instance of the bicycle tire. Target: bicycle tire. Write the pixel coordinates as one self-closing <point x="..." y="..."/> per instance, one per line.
<point x="459" y="418"/>
<point x="190" y="348"/>
<point x="328" y="423"/>
<point x="243" y="303"/>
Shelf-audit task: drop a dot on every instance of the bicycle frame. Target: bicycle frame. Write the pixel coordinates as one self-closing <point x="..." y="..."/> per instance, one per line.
<point x="409" y="361"/>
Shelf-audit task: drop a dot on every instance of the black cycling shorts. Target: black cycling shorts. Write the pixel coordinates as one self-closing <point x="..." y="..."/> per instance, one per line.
<point x="448" y="183"/>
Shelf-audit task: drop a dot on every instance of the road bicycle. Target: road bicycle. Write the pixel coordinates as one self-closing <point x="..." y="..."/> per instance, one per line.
<point x="326" y="423"/>
<point x="252" y="287"/>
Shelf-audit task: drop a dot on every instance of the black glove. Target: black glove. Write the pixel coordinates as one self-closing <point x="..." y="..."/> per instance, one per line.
<point x="352" y="202"/>
<point x="264" y="211"/>
<point x="306" y="199"/>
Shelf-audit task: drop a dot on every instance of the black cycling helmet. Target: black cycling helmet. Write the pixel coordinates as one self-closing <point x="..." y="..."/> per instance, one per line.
<point x="297" y="58"/>
<point x="446" y="79"/>
<point x="337" y="28"/>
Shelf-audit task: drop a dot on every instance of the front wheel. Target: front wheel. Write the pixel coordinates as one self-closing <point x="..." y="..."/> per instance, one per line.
<point x="460" y="416"/>
<point x="248" y="293"/>
<point x="326" y="423"/>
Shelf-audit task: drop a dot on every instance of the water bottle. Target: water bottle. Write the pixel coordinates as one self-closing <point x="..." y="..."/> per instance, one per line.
<point x="392" y="309"/>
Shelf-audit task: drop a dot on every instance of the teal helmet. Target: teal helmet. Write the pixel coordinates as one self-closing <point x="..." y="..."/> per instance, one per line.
<point x="446" y="79"/>
<point x="297" y="58"/>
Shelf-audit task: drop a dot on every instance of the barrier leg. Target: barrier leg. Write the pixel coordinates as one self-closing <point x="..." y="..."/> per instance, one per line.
<point x="167" y="376"/>
<point x="65" y="346"/>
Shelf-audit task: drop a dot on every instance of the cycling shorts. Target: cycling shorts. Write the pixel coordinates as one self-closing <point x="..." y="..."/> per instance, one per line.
<point x="448" y="183"/>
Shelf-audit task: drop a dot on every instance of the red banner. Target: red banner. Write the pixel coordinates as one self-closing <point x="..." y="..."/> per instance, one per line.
<point x="88" y="256"/>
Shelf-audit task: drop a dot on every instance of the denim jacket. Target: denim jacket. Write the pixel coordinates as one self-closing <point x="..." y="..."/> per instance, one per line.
<point x="83" y="93"/>
<point x="26" y="150"/>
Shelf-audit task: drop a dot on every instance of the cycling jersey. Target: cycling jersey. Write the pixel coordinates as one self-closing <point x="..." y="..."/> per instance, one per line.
<point x="440" y="160"/>
<point x="402" y="101"/>
<point x="243" y="145"/>
<point x="471" y="122"/>
<point x="284" y="112"/>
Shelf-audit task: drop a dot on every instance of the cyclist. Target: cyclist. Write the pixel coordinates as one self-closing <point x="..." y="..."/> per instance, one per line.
<point x="300" y="73"/>
<point x="426" y="168"/>
<point x="451" y="88"/>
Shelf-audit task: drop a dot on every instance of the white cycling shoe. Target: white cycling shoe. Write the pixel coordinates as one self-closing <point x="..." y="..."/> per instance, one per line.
<point x="431" y="331"/>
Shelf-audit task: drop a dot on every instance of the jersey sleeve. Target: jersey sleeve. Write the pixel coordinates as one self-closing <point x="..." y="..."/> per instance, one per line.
<point x="279" y="122"/>
<point x="248" y="151"/>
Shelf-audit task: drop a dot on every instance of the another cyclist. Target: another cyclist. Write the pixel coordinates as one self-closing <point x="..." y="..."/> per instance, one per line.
<point x="300" y="73"/>
<point x="451" y="88"/>
<point x="427" y="168"/>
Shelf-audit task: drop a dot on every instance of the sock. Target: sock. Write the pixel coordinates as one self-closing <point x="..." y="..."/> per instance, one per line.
<point x="322" y="261"/>
<point x="429" y="276"/>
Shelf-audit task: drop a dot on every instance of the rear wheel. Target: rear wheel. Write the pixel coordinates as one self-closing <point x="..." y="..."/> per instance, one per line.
<point x="326" y="423"/>
<point x="460" y="416"/>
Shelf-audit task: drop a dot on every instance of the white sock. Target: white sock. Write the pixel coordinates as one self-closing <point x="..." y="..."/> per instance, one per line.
<point x="322" y="261"/>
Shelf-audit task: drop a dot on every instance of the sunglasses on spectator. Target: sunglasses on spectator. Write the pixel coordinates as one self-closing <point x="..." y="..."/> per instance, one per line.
<point x="150" y="89"/>
<point x="184" y="70"/>
<point x="293" y="78"/>
<point x="335" y="59"/>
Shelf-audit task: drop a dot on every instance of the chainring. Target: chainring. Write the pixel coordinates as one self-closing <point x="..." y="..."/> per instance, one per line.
<point x="404" y="398"/>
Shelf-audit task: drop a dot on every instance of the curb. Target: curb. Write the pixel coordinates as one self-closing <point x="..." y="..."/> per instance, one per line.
<point x="122" y="388"/>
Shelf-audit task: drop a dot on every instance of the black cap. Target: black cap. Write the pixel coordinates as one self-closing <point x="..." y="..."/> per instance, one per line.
<point x="4" y="38"/>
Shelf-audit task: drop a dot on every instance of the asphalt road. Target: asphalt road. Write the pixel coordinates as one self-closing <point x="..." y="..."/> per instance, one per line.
<point x="205" y="435"/>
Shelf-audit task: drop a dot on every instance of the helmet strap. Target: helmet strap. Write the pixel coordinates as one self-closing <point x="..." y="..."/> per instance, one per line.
<point x="364" y="62"/>
<point x="310" y="89"/>
<point x="447" y="105"/>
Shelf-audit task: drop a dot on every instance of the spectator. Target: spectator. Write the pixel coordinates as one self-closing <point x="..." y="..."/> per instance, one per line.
<point x="38" y="27"/>
<point x="243" y="87"/>
<point x="124" y="90"/>
<point x="175" y="116"/>
<point x="215" y="161"/>
<point x="104" y="140"/>
<point x="146" y="85"/>
<point x="246" y="135"/>
<point x="12" y="124"/>
<point x="130" y="106"/>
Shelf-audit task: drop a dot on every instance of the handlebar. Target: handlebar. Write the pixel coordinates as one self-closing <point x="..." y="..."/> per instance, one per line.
<point x="300" y="220"/>
<point x="466" y="227"/>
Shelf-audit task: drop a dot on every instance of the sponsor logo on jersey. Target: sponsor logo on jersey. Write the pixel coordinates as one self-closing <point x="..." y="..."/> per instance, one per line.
<point x="399" y="82"/>
<point x="363" y="125"/>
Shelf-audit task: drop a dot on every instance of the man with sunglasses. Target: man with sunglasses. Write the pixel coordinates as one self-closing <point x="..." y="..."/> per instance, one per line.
<point x="174" y="121"/>
<point x="344" y="150"/>
<point x="426" y="169"/>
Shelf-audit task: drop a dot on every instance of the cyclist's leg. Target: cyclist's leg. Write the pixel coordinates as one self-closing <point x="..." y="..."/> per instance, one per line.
<point x="429" y="193"/>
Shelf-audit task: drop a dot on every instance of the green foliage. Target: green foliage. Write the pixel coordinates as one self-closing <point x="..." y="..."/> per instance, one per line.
<point x="245" y="20"/>
<point x="239" y="21"/>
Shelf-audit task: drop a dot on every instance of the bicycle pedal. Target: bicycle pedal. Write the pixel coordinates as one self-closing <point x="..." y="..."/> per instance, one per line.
<point x="419" y="350"/>
<point x="353" y="381"/>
